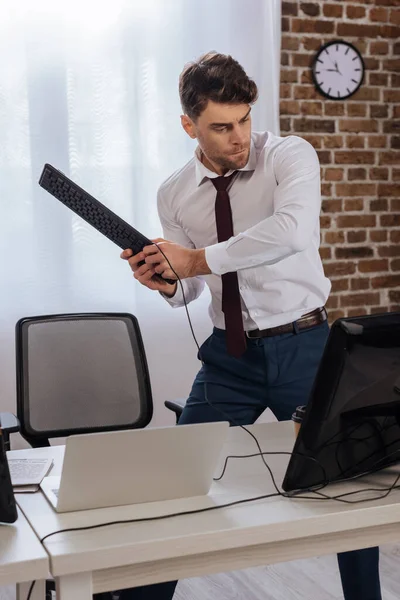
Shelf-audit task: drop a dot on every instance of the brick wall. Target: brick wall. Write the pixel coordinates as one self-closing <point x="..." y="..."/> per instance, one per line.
<point x="358" y="142"/>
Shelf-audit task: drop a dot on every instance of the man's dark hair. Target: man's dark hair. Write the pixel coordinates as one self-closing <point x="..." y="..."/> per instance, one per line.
<point x="215" y="77"/>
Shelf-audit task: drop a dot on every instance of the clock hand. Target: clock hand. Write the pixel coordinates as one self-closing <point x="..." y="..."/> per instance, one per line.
<point x="337" y="68"/>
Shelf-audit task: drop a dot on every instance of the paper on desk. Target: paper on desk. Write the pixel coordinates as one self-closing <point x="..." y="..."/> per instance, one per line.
<point x="28" y="472"/>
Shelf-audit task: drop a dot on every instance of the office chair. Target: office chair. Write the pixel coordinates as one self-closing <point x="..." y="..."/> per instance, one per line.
<point x="176" y="406"/>
<point x="80" y="373"/>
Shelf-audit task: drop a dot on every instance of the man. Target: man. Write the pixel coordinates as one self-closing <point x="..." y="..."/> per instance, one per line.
<point x="242" y="216"/>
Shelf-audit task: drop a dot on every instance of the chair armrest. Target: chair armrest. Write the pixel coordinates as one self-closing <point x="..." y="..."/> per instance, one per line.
<point x="176" y="406"/>
<point x="9" y="422"/>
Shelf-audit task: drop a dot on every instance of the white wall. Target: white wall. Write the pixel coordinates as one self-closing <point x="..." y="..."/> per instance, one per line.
<point x="97" y="97"/>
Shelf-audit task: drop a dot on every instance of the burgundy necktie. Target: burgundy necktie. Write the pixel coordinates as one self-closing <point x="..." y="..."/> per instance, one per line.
<point x="231" y="307"/>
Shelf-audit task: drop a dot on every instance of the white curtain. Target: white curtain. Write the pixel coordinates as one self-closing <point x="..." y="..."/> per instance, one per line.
<point x="91" y="86"/>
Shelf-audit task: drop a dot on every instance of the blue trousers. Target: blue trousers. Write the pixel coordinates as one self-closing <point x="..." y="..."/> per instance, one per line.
<point x="277" y="373"/>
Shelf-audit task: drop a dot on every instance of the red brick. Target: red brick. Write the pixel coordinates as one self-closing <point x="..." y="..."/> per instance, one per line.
<point x="355" y="141"/>
<point x="289" y="107"/>
<point x="333" y="141"/>
<point x="355" y="12"/>
<point x="339" y="269"/>
<point x="389" y="158"/>
<point x="314" y="125"/>
<point x="284" y="59"/>
<point x="311" y="43"/>
<point x="378" y="78"/>
<point x="332" y="10"/>
<point x="379" y="235"/>
<point x="355" y="204"/>
<point x="380" y="205"/>
<point x="395" y="236"/>
<point x="304" y="92"/>
<point x="355" y="189"/>
<point x="289" y="9"/>
<point x="395" y="264"/>
<point x="389" y="251"/>
<point x="392" y="126"/>
<point x="361" y="283"/>
<point x="378" y="310"/>
<point x="285" y="90"/>
<point x="357" y="236"/>
<point x="391" y="64"/>
<point x="325" y="222"/>
<point x="332" y="206"/>
<point x="353" y="252"/>
<point x="354" y="158"/>
<point x="394" y="296"/>
<point x="311" y="108"/>
<point x="354" y="221"/>
<point x="358" y="125"/>
<point x="326" y="189"/>
<point x="340" y="285"/>
<point x="373" y="266"/>
<point x="390" y="220"/>
<point x="379" y="48"/>
<point x="290" y="43"/>
<point x="377" y="141"/>
<point x="334" y="109"/>
<point x="367" y="94"/>
<point x="301" y="60"/>
<point x="395" y="17"/>
<point x="356" y="173"/>
<point x="314" y="140"/>
<point x="285" y="24"/>
<point x="395" y="142"/>
<point x="358" y="30"/>
<point x="356" y="312"/>
<point x="379" y="14"/>
<point x="333" y="315"/>
<point x="310" y="9"/>
<point x="378" y="173"/>
<point x="312" y="26"/>
<point x="388" y="189"/>
<point x="289" y="75"/>
<point x="285" y="124"/>
<point x="390" y="31"/>
<point x="325" y="253"/>
<point x="386" y="281"/>
<point x="333" y="174"/>
<point x="332" y="302"/>
<point x="368" y="299"/>
<point x="377" y="111"/>
<point x="396" y="174"/>
<point x="356" y="110"/>
<point x="324" y="157"/>
<point x="334" y="237"/>
<point x="395" y="205"/>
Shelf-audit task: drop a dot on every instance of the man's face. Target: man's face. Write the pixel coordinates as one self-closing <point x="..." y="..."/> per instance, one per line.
<point x="223" y="132"/>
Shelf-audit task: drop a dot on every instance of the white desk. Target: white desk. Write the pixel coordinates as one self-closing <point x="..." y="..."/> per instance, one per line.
<point x="255" y="533"/>
<point x="22" y="558"/>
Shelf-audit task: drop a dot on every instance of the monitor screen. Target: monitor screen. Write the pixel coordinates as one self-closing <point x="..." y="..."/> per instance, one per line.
<point x="352" y="421"/>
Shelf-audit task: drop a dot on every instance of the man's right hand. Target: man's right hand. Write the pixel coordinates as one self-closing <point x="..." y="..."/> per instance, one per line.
<point x="144" y="274"/>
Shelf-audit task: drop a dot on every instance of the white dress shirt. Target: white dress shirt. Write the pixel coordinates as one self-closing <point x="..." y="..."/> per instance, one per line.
<point x="276" y="202"/>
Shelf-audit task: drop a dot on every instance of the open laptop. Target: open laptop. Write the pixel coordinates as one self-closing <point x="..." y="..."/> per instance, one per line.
<point x="135" y="466"/>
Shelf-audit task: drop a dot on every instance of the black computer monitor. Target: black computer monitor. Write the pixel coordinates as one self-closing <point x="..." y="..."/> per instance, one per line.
<point x="352" y="421"/>
<point x="8" y="509"/>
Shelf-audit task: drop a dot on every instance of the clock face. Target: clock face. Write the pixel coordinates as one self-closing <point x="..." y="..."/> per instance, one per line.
<point x="338" y="70"/>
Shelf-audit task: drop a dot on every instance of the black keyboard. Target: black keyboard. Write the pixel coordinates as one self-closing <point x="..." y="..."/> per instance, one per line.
<point x="94" y="212"/>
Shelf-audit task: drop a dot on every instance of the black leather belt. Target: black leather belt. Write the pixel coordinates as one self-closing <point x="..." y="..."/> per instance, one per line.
<point x="315" y="317"/>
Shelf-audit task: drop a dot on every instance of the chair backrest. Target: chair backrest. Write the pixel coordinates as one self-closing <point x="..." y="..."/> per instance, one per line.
<point x="80" y="373"/>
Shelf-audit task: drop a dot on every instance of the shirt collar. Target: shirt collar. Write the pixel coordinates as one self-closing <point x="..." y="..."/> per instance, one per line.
<point x="203" y="173"/>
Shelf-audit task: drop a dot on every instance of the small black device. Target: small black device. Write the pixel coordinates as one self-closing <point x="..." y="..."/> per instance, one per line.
<point x="8" y="509"/>
<point x="351" y="425"/>
<point x="94" y="212"/>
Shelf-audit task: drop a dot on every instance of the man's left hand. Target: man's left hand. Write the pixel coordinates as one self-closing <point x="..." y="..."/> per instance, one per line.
<point x="184" y="261"/>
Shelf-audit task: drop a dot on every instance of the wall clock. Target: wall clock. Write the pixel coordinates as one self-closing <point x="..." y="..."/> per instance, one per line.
<point x="337" y="70"/>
